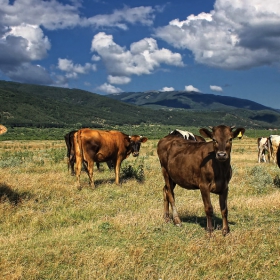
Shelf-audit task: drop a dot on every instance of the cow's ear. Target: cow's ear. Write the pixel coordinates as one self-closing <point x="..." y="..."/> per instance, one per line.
<point x="237" y="131"/>
<point x="143" y="139"/>
<point x="206" y="133"/>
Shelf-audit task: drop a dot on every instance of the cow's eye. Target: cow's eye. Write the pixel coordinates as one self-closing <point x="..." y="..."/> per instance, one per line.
<point x="215" y="141"/>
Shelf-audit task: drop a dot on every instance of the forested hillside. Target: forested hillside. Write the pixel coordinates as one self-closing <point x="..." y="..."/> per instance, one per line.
<point x="26" y="105"/>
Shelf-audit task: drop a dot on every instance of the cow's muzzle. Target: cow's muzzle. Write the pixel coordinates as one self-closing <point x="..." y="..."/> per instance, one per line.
<point x="135" y="154"/>
<point x="221" y="156"/>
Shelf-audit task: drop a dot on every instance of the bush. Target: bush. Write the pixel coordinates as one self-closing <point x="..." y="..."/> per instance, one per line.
<point x="260" y="178"/>
<point x="136" y="172"/>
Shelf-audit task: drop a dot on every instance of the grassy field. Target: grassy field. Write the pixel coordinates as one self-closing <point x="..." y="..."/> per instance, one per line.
<point x="50" y="230"/>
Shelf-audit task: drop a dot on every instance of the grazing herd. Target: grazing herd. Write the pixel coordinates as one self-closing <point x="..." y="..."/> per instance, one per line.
<point x="186" y="160"/>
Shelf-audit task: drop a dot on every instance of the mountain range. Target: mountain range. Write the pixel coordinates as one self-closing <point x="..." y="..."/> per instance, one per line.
<point x="27" y="105"/>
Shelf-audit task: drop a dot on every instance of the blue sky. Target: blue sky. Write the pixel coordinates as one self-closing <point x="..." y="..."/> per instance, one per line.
<point x="230" y="48"/>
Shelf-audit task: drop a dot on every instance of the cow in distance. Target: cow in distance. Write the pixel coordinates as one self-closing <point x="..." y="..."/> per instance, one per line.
<point x="103" y="146"/>
<point x="264" y="144"/>
<point x="198" y="165"/>
<point x="275" y="141"/>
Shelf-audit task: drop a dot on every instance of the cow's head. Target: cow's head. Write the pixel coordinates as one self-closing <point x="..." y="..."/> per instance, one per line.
<point x="222" y="139"/>
<point x="135" y="144"/>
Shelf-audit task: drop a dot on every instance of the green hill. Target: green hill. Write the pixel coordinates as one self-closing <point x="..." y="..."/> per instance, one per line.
<point x="26" y="105"/>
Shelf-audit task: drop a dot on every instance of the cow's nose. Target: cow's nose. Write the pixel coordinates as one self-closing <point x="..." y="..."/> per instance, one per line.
<point x="135" y="154"/>
<point x="221" y="155"/>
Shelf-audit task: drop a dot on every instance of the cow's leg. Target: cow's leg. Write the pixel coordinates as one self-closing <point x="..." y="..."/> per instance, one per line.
<point x="78" y="171"/>
<point x="71" y="162"/>
<point x="259" y="156"/>
<point x="117" y="171"/>
<point x="90" y="166"/>
<point x="98" y="166"/>
<point x="169" y="198"/>
<point x="224" y="211"/>
<point x="205" y="193"/>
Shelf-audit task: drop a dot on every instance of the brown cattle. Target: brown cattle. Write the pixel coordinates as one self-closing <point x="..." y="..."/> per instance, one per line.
<point x="102" y="146"/>
<point x="71" y="159"/>
<point x="198" y="165"/>
<point x="3" y="129"/>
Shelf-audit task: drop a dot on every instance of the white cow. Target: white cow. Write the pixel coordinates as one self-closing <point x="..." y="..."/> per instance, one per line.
<point x="263" y="145"/>
<point x="275" y="141"/>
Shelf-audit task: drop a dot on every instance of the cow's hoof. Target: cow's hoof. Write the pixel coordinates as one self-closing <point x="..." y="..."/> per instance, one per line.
<point x="177" y="222"/>
<point x="166" y="218"/>
<point x="225" y="232"/>
<point x="79" y="188"/>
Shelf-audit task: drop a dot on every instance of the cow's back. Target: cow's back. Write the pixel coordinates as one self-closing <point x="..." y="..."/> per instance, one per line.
<point x="105" y="144"/>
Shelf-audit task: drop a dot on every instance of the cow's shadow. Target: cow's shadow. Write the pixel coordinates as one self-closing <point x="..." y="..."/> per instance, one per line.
<point x="10" y="195"/>
<point x="202" y="221"/>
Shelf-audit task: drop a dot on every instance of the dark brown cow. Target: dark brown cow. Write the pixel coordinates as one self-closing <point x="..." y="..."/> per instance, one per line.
<point x="71" y="159"/>
<point x="198" y="165"/>
<point x="101" y="146"/>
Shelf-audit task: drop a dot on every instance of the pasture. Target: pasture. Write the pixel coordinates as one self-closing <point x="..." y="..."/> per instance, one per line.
<point x="51" y="230"/>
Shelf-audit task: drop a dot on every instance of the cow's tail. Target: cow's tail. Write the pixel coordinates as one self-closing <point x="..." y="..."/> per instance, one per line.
<point x="81" y="149"/>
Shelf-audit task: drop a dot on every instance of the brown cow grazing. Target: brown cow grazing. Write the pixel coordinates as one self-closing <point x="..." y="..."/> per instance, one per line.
<point x="198" y="165"/>
<point x="3" y="129"/>
<point x="71" y="159"/>
<point x="102" y="146"/>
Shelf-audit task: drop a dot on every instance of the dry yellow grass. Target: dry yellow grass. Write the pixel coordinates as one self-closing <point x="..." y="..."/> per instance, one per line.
<point x="50" y="230"/>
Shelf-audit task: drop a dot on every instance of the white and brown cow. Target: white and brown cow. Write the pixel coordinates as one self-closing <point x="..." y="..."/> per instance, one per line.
<point x="264" y="144"/>
<point x="275" y="141"/>
<point x="187" y="135"/>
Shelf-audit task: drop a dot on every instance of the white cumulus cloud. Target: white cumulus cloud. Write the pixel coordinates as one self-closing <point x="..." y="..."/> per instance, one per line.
<point x="22" y="25"/>
<point x="107" y="88"/>
<point x="143" y="57"/>
<point x="167" y="89"/>
<point x="190" y="88"/>
<point x="234" y="35"/>
<point x="118" y="80"/>
<point x="72" y="69"/>
<point x="216" y="88"/>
